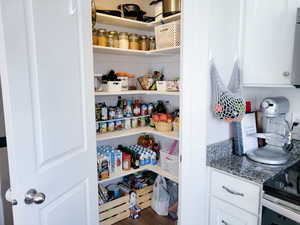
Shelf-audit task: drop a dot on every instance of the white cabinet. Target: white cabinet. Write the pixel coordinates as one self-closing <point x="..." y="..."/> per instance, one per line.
<point x="223" y="213"/>
<point x="268" y="38"/>
<point x="233" y="201"/>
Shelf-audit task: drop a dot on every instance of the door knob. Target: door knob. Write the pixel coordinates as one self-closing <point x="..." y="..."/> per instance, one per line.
<point x="9" y="198"/>
<point x="32" y="196"/>
<point x="286" y="74"/>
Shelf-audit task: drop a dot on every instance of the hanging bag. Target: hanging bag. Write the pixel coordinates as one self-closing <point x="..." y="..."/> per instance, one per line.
<point x="160" y="197"/>
<point x="227" y="103"/>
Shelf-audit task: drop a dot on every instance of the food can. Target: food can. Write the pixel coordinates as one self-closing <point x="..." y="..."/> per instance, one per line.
<point x="127" y="124"/>
<point x="110" y="126"/>
<point x="102" y="127"/>
<point x="118" y="125"/>
<point x="111" y="113"/>
<point x="134" y="123"/>
<point x="144" y="110"/>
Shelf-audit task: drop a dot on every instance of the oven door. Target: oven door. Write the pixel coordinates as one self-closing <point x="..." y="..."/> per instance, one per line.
<point x="278" y="212"/>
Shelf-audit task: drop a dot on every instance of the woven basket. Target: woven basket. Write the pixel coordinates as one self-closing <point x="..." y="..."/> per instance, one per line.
<point x="163" y="126"/>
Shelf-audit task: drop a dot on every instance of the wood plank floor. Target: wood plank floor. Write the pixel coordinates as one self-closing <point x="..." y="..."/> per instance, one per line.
<point x="148" y="217"/>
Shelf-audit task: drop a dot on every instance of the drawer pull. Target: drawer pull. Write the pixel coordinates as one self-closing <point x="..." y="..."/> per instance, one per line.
<point x="224" y="222"/>
<point x="232" y="192"/>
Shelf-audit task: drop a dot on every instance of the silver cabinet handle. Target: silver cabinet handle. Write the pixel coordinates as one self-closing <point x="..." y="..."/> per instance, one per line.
<point x="232" y="192"/>
<point x="32" y="196"/>
<point x="224" y="222"/>
<point x="286" y="73"/>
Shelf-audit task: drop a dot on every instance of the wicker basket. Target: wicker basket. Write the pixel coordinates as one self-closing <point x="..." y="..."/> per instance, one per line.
<point x="163" y="126"/>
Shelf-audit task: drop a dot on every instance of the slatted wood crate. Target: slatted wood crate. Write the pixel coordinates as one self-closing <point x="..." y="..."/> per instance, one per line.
<point x="114" y="211"/>
<point x="144" y="197"/>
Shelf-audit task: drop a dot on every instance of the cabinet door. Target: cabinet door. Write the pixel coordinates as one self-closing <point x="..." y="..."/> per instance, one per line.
<point x="222" y="213"/>
<point x="268" y="41"/>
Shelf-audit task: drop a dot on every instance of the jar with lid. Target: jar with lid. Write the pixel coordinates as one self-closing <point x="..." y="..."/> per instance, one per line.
<point x="152" y="44"/>
<point x="123" y="40"/>
<point x="115" y="38"/>
<point x="144" y="44"/>
<point x="133" y="41"/>
<point x="102" y="37"/>
<point x="110" y="41"/>
<point x="95" y="37"/>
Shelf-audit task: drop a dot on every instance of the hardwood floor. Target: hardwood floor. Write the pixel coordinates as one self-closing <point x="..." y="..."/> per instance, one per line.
<point x="148" y="217"/>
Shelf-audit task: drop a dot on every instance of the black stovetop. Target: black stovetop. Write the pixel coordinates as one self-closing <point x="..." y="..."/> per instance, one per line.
<point x="285" y="185"/>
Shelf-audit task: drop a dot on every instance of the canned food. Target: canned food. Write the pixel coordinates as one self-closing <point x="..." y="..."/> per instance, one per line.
<point x="110" y="126"/>
<point x="111" y="113"/>
<point x="134" y="123"/>
<point x="118" y="125"/>
<point x="102" y="127"/>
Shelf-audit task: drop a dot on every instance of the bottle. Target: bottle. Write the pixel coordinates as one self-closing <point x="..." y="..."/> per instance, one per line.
<point x="104" y="113"/>
<point x="129" y="108"/>
<point x="137" y="108"/>
<point x="160" y="107"/>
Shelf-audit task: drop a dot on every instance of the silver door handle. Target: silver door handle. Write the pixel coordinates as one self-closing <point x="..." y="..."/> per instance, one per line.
<point x="232" y="192"/>
<point x="224" y="222"/>
<point x="32" y="196"/>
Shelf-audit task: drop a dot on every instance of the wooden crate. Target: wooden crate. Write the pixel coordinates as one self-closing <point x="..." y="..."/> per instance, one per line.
<point x="114" y="211"/>
<point x="144" y="197"/>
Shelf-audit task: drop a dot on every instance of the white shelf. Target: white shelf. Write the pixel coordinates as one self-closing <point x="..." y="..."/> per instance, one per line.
<point x="137" y="92"/>
<point x="119" y="51"/>
<point x="134" y="131"/>
<point x="155" y="169"/>
<point x="134" y="24"/>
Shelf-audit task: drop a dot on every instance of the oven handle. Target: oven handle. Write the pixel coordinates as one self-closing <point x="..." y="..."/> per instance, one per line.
<point x="281" y="209"/>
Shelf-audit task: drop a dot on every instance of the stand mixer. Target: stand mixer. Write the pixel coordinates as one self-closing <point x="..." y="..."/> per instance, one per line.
<point x="276" y="133"/>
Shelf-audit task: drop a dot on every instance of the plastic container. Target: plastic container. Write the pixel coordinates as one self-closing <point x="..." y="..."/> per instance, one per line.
<point x="112" y="86"/>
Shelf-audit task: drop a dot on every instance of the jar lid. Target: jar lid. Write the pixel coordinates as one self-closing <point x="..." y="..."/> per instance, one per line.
<point x="151" y="38"/>
<point x="144" y="37"/>
<point x="113" y="32"/>
<point x="102" y="30"/>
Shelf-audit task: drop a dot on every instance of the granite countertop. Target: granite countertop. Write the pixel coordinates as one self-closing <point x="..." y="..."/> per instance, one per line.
<point x="219" y="156"/>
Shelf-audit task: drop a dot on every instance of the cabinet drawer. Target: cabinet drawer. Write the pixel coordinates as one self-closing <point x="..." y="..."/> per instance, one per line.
<point x="222" y="213"/>
<point x="235" y="191"/>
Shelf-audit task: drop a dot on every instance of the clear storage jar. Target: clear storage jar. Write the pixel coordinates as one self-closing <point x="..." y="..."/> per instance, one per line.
<point x="123" y="40"/>
<point x="152" y="44"/>
<point x="133" y="41"/>
<point x="115" y="38"/>
<point x="102" y="37"/>
<point x="144" y="44"/>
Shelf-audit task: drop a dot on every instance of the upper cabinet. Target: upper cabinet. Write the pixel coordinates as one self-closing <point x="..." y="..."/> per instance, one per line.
<point x="268" y="39"/>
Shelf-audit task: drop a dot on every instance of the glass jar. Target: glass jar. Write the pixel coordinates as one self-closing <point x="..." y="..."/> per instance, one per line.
<point x="144" y="44"/>
<point x="123" y="40"/>
<point x="133" y="41"/>
<point x="102" y="37"/>
<point x="95" y="37"/>
<point x="152" y="44"/>
<point x="110" y="41"/>
<point x="115" y="38"/>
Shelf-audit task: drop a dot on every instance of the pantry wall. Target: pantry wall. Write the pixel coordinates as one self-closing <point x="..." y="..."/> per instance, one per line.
<point x="139" y="65"/>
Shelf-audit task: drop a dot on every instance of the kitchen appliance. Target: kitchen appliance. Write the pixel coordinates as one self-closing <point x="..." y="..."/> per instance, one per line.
<point x="276" y="133"/>
<point x="296" y="65"/>
<point x="281" y="198"/>
<point x="171" y="7"/>
<point x="132" y="11"/>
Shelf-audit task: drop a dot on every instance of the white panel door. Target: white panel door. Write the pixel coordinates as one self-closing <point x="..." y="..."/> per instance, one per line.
<point x="46" y="74"/>
<point x="268" y="41"/>
<point x="222" y="213"/>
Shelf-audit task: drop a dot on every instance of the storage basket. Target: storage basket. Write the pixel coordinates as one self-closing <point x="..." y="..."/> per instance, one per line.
<point x="167" y="35"/>
<point x="163" y="126"/>
<point x="114" y="211"/>
<point x="112" y="86"/>
<point x="169" y="163"/>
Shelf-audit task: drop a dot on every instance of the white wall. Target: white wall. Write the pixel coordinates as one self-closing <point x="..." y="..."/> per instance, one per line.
<point x="224" y="47"/>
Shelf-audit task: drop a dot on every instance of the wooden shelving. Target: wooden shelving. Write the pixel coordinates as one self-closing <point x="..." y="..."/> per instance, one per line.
<point x="133" y="24"/>
<point x="155" y="169"/>
<point x="134" y="131"/>
<point x="137" y="92"/>
<point x="120" y="51"/>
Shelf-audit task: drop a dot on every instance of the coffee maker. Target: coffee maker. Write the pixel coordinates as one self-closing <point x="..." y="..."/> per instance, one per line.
<point x="276" y="133"/>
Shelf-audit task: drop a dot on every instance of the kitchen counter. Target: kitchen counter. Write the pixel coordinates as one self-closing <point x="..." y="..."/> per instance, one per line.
<point x="219" y="156"/>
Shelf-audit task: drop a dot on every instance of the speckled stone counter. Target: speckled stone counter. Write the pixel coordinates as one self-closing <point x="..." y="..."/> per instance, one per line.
<point x="219" y="156"/>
